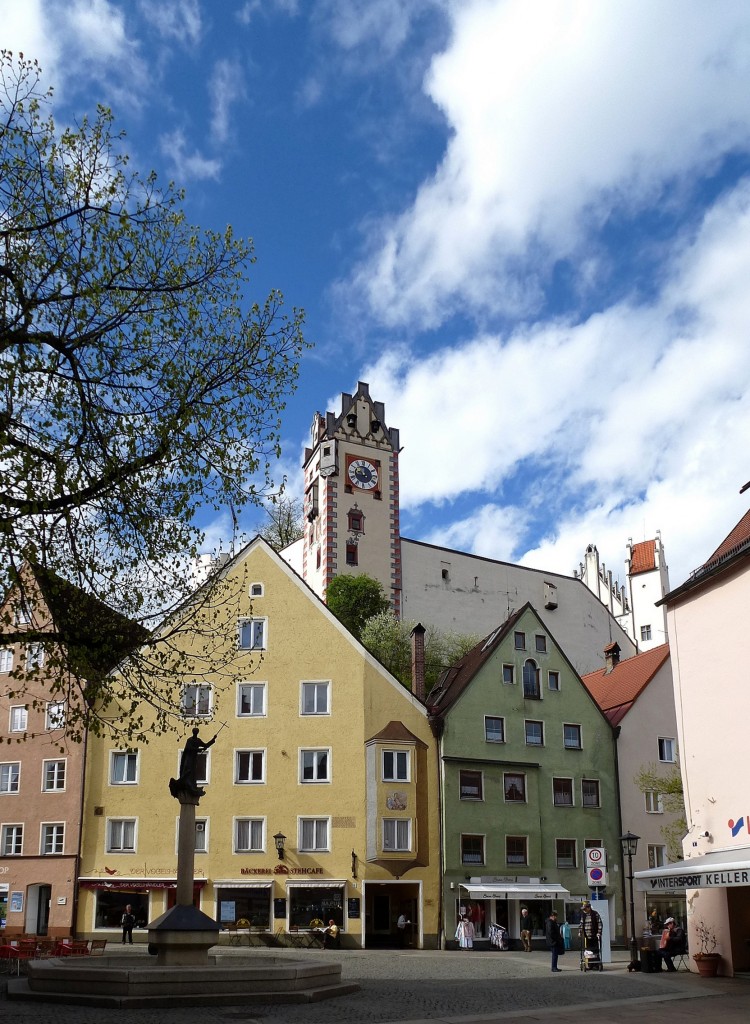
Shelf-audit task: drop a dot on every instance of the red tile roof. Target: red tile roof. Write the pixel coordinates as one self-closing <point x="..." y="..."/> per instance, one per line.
<point x="616" y="692"/>
<point x="739" y="536"/>
<point x="643" y="558"/>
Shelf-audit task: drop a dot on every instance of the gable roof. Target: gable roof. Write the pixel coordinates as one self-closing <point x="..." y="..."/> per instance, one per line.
<point x="617" y="690"/>
<point x="734" y="547"/>
<point x="643" y="557"/>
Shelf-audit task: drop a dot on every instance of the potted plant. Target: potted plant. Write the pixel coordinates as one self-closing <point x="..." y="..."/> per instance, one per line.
<point x="707" y="959"/>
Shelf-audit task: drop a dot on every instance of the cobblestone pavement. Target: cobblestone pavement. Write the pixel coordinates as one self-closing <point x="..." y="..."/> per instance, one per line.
<point x="414" y="987"/>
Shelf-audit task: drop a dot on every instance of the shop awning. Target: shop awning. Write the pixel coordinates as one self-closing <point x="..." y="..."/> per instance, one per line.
<point x="516" y="891"/>
<point x="720" y="869"/>
<point x="134" y="884"/>
<point x="229" y="883"/>
<point x="315" y="885"/>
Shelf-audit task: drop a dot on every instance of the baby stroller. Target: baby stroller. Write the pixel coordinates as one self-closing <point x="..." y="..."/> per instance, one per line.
<point x="591" y="959"/>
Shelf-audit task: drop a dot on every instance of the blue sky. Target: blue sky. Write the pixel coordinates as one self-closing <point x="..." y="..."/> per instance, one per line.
<point x="526" y="223"/>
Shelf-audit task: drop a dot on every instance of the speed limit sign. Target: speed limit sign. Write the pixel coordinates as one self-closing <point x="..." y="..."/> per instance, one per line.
<point x="596" y="857"/>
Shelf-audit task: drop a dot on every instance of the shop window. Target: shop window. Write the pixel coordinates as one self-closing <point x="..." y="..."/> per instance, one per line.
<point x="246" y="908"/>
<point x="111" y="903"/>
<point x="319" y="904"/>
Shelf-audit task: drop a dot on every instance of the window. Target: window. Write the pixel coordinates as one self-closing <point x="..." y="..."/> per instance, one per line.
<point x="315" y="765"/>
<point x="19" y="717"/>
<point x="516" y="850"/>
<point x="253" y="634"/>
<point x="472" y="849"/>
<point x="6" y="659"/>
<point x="12" y="840"/>
<point x="123" y="769"/>
<point x="470" y="784"/>
<point x="395" y="766"/>
<point x="251" y="700"/>
<point x="590" y="796"/>
<point x="352" y="554"/>
<point x="9" y="776"/>
<point x="515" y="787"/>
<point x="494" y="729"/>
<point x="34" y="657"/>
<point x="562" y="792"/>
<point x="666" y="749"/>
<point x="22" y="615"/>
<point x="553" y="680"/>
<point x="53" y="776"/>
<point x="196" y="700"/>
<point x="202" y="765"/>
<point x="121" y="835"/>
<point x="657" y="856"/>
<point x="397" y="834"/>
<point x="519" y="641"/>
<point x="250" y="766"/>
<point x="248" y="835"/>
<point x="646" y="635"/>
<point x="55" y="718"/>
<point x="53" y="839"/>
<point x="508" y="674"/>
<point x="566" y="853"/>
<point x="534" y="734"/>
<point x="540" y="644"/>
<point x="201" y="835"/>
<point x="356" y="521"/>
<point x="531" y="690"/>
<point x="654" y="803"/>
<point x="313" y="834"/>
<point x="315" y="699"/>
<point x="256" y="590"/>
<point x="572" y="737"/>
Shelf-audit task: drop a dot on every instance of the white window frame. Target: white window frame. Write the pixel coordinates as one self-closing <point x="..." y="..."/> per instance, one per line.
<point x="201" y="829"/>
<point x="122" y="823"/>
<point x="494" y="718"/>
<point x="304" y="754"/>
<point x="11" y="832"/>
<point x="34" y="657"/>
<point x="257" y="589"/>
<point x="20" y="711"/>
<point x="251" y="752"/>
<point x="258" y="626"/>
<point x="193" y="710"/>
<point x="241" y="820"/>
<point x="654" y="802"/>
<point x="54" y="717"/>
<point x="396" y="835"/>
<point x="396" y="758"/>
<point x="6" y="659"/>
<point x="579" y="728"/>
<point x="657" y="855"/>
<point x="672" y="746"/>
<point x="10" y="781"/>
<point x="255" y="688"/>
<point x="594" y="782"/>
<point x="646" y="632"/>
<point x="321" y="685"/>
<point x="317" y="846"/>
<point x="55" y="775"/>
<point x="129" y="758"/>
<point x="54" y="830"/>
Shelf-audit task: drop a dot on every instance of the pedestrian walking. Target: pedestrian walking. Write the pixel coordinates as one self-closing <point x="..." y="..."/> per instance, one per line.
<point x="526" y="930"/>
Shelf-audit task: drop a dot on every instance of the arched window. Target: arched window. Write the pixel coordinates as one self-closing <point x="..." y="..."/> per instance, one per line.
<point x="531" y="688"/>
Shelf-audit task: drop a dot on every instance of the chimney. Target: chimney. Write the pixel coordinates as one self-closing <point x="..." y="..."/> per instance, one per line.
<point x="611" y="657"/>
<point x="417" y="661"/>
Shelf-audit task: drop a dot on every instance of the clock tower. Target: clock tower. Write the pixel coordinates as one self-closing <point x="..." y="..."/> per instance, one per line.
<point x="351" y="497"/>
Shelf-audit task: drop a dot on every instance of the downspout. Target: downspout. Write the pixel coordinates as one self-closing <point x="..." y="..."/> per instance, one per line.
<point x="623" y="894"/>
<point x="74" y="929"/>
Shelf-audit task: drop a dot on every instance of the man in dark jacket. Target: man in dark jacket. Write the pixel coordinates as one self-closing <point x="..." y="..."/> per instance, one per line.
<point x="674" y="943"/>
<point x="554" y="941"/>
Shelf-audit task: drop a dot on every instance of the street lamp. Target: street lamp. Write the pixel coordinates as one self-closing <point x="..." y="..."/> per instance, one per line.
<point x="629" y="849"/>
<point x="280" y="839"/>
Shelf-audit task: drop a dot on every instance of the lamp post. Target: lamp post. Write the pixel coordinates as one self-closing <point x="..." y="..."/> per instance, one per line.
<point x="280" y="839"/>
<point x="629" y="849"/>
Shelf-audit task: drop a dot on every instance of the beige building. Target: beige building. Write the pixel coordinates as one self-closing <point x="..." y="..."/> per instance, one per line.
<point x="705" y="614"/>
<point x="320" y="790"/>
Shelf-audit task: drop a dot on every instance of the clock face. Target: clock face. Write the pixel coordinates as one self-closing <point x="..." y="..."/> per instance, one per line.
<point x="363" y="474"/>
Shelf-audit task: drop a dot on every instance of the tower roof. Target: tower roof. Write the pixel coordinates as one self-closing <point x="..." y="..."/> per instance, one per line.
<point x="643" y="557"/>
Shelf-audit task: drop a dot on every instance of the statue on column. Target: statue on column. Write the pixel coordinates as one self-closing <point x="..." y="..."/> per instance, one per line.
<point x="186" y="785"/>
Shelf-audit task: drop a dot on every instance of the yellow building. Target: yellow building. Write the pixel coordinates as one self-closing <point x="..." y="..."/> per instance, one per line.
<point x="318" y="749"/>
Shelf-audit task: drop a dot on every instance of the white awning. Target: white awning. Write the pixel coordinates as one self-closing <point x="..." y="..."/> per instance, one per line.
<point x="315" y="885"/>
<point x="720" y="869"/>
<point x="228" y="883"/>
<point x="516" y="891"/>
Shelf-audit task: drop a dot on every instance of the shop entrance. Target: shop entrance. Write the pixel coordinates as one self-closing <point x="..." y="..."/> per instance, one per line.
<point x="384" y="904"/>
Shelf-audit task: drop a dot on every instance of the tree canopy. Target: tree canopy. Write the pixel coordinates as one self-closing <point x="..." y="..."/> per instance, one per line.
<point x="389" y="639"/>
<point x="667" y="782"/>
<point x="138" y="384"/>
<point x="355" y="599"/>
<point x="285" y="522"/>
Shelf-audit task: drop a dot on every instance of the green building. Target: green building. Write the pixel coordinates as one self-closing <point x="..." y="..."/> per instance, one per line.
<point x="530" y="813"/>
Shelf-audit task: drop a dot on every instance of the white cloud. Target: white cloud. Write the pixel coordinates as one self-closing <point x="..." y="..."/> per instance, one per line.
<point x="186" y="166"/>
<point x="175" y="19"/>
<point x="561" y="112"/>
<point x="633" y="420"/>
<point x="225" y="88"/>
